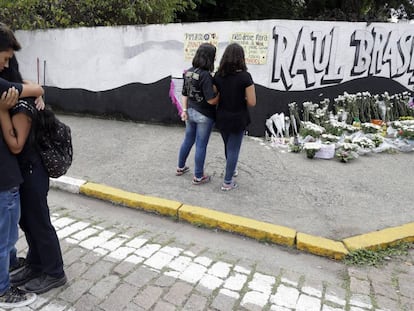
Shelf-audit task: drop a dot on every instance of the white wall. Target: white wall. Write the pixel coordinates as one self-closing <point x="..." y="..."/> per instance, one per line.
<point x="301" y="55"/>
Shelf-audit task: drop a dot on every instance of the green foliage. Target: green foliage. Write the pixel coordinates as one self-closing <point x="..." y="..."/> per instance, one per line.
<point x="356" y="10"/>
<point x="364" y="257"/>
<point x="41" y="14"/>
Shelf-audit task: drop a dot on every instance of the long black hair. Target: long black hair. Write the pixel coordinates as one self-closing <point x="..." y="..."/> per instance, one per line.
<point x="232" y="60"/>
<point x="204" y="57"/>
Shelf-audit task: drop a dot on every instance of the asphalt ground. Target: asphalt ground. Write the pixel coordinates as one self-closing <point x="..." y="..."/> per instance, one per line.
<point x="324" y="198"/>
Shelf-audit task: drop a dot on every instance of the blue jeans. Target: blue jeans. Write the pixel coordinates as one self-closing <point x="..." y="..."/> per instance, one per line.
<point x="9" y="232"/>
<point x="232" y="144"/>
<point x="197" y="130"/>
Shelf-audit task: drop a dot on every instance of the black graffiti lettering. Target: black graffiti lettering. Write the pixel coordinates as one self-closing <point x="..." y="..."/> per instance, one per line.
<point x="302" y="58"/>
<point x="321" y="51"/>
<point x="405" y="48"/>
<point x="391" y="53"/>
<point x="363" y="42"/>
<point x="284" y="46"/>
<point x="379" y="34"/>
<point x="333" y="73"/>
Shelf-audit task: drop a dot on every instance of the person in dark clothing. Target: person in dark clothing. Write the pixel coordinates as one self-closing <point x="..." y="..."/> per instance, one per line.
<point x="43" y="268"/>
<point x="10" y="177"/>
<point x="198" y="102"/>
<point x="237" y="93"/>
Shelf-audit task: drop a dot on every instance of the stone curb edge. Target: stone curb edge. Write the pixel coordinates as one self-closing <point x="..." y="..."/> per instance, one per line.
<point x="258" y="230"/>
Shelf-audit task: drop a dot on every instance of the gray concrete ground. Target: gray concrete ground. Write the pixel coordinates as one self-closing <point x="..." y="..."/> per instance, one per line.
<point x="319" y="197"/>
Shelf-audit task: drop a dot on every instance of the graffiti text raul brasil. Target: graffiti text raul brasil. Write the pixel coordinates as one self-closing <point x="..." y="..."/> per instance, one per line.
<point x="312" y="58"/>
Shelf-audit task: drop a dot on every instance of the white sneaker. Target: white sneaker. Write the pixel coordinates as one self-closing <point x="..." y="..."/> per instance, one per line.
<point x="16" y="298"/>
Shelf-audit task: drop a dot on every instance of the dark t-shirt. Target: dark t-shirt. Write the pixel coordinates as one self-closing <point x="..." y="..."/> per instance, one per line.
<point x="232" y="112"/>
<point x="198" y="87"/>
<point x="29" y="154"/>
<point x="5" y="85"/>
<point x="9" y="169"/>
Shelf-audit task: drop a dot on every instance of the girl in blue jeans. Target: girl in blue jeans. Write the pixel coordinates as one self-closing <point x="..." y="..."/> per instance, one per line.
<point x="198" y="102"/>
<point x="237" y="93"/>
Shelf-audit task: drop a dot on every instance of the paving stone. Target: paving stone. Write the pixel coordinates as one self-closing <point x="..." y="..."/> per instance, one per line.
<point x="285" y="296"/>
<point x="195" y="303"/>
<point x="308" y="303"/>
<point x="210" y="282"/>
<point x="119" y="298"/>
<point x="223" y="302"/>
<point x="235" y="282"/>
<point x="164" y="281"/>
<point x="75" y="290"/>
<point x="164" y="306"/>
<point x="220" y="269"/>
<point x="124" y="268"/>
<point x="159" y="260"/>
<point x="105" y="286"/>
<point x="140" y="277"/>
<point x="87" y="302"/>
<point x="255" y="298"/>
<point x="193" y="273"/>
<point x="90" y="258"/>
<point x="386" y="303"/>
<point x="98" y="270"/>
<point x="148" y="297"/>
<point x="76" y="270"/>
<point x="358" y="286"/>
<point x="178" y="293"/>
<point x="74" y="255"/>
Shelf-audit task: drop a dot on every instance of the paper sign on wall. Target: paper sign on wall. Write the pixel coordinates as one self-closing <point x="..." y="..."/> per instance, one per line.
<point x="193" y="40"/>
<point x="255" y="46"/>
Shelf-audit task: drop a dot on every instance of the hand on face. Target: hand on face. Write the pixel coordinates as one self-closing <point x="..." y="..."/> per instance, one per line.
<point x="9" y="99"/>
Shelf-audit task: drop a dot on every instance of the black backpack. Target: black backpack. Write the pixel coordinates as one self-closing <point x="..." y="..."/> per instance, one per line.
<point x="54" y="142"/>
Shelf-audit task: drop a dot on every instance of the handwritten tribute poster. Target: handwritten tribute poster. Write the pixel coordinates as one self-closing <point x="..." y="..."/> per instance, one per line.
<point x="255" y="46"/>
<point x="193" y="40"/>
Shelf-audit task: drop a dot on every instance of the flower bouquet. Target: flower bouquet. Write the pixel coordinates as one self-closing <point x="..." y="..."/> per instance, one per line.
<point x="311" y="129"/>
<point x="370" y="128"/>
<point x="311" y="148"/>
<point x="405" y="129"/>
<point x="346" y="152"/>
<point x="364" y="143"/>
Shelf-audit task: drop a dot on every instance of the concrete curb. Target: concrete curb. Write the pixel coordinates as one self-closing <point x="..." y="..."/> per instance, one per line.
<point x="258" y="230"/>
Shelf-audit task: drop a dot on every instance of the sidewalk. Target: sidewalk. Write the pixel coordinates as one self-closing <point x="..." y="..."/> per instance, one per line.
<point x="315" y="203"/>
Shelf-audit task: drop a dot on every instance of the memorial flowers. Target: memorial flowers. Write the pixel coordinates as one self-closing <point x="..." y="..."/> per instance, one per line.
<point x="370" y="128"/>
<point x="311" y="129"/>
<point x="311" y="148"/>
<point x="346" y="152"/>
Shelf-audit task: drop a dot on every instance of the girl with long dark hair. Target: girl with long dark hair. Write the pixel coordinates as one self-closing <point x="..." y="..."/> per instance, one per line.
<point x="237" y="93"/>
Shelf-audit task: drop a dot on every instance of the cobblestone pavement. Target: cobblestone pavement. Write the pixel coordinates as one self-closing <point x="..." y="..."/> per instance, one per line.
<point x="122" y="259"/>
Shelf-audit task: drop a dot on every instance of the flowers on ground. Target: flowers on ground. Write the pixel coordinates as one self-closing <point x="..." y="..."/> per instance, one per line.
<point x="311" y="148"/>
<point x="370" y="128"/>
<point x="405" y="129"/>
<point x="346" y="152"/>
<point x="311" y="129"/>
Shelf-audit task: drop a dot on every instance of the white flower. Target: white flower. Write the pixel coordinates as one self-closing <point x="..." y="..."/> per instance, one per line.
<point x="312" y="146"/>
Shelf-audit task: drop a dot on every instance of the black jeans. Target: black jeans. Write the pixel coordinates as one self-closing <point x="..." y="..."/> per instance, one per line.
<point x="44" y="253"/>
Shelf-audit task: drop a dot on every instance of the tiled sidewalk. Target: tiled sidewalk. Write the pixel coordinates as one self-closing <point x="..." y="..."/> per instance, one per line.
<point x="115" y="266"/>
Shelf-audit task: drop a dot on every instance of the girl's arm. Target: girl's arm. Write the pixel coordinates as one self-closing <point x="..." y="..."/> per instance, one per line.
<point x="250" y="94"/>
<point x="31" y="90"/>
<point x="15" y="130"/>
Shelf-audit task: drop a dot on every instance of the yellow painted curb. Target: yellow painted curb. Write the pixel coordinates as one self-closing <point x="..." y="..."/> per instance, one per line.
<point x="232" y="223"/>
<point x="130" y="199"/>
<point x="382" y="238"/>
<point x="321" y="246"/>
